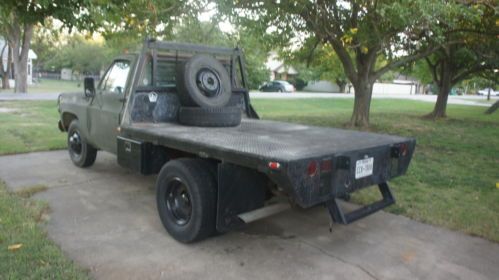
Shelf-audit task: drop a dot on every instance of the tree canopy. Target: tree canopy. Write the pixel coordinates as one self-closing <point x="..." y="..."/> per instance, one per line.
<point x="135" y="18"/>
<point x="18" y="19"/>
<point x="471" y="48"/>
<point x="360" y="32"/>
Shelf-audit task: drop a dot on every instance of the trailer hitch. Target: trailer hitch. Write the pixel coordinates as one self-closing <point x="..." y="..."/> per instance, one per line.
<point x="339" y="216"/>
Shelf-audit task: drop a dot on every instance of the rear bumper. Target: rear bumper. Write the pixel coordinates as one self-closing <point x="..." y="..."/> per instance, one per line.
<point x="390" y="161"/>
<point x="341" y="217"/>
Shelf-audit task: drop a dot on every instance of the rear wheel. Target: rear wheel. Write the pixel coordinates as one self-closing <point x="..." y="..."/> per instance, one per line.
<point x="82" y="154"/>
<point x="186" y="199"/>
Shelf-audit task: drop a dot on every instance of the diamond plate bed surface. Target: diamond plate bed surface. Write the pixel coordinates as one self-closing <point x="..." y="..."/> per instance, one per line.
<point x="265" y="139"/>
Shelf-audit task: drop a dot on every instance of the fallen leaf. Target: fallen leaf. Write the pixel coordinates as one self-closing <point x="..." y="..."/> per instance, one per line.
<point x="15" y="247"/>
<point x="407" y="257"/>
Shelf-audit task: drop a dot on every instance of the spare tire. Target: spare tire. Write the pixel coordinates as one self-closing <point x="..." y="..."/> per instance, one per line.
<point x="203" y="81"/>
<point x="210" y="117"/>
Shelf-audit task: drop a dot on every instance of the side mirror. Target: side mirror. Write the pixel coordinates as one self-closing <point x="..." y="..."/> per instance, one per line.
<point x="89" y="86"/>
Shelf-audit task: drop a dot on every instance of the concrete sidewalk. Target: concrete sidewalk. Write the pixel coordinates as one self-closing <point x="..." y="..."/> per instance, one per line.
<point x="105" y="219"/>
<point x="29" y="96"/>
<point x="458" y="100"/>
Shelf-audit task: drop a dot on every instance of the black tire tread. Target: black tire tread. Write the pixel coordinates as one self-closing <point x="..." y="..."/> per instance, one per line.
<point x="89" y="153"/>
<point x="187" y="88"/>
<point x="194" y="171"/>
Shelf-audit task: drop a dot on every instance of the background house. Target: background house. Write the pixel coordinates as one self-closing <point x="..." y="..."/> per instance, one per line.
<point x="278" y="69"/>
<point x="4" y="56"/>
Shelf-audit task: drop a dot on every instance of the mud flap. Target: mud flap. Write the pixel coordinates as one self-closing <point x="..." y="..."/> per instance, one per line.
<point x="340" y="217"/>
<point x="240" y="190"/>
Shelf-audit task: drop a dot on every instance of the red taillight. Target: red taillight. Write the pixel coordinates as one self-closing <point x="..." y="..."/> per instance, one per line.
<point x="312" y="168"/>
<point x="274" y="165"/>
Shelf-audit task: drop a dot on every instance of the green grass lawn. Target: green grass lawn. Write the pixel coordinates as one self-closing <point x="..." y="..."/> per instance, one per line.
<point x="29" y="126"/>
<point x="452" y="178"/>
<point x="48" y="86"/>
<point x="451" y="181"/>
<point x="25" y="250"/>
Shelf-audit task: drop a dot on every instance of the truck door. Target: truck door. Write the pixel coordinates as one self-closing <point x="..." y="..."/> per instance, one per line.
<point x="105" y="112"/>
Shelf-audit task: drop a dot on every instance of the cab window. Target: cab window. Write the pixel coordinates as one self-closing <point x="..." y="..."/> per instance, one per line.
<point x="165" y="76"/>
<point x="115" y="79"/>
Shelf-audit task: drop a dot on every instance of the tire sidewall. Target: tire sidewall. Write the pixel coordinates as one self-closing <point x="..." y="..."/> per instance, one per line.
<point x="78" y="160"/>
<point x="188" y="232"/>
<point x="195" y="96"/>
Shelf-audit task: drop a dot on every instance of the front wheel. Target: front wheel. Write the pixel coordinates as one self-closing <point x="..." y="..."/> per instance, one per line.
<point x="80" y="151"/>
<point x="186" y="199"/>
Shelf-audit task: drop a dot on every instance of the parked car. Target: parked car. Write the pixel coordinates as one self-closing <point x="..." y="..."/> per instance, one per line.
<point x="485" y="92"/>
<point x="278" y="86"/>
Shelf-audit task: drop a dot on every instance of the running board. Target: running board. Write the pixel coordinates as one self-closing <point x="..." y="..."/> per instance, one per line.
<point x="263" y="212"/>
<point x="340" y="217"/>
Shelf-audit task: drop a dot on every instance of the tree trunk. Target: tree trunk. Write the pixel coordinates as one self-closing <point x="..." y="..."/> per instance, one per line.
<point x="5" y="81"/>
<point x="444" y="88"/>
<point x="341" y="84"/>
<point x="492" y="108"/>
<point x="5" y="72"/>
<point x="20" y="50"/>
<point x="439" y="111"/>
<point x="362" y="103"/>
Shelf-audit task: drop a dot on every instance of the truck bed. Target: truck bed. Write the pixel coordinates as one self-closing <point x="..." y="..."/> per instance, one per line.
<point x="259" y="140"/>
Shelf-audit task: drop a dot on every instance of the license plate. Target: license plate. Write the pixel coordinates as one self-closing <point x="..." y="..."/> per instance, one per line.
<point x="364" y="167"/>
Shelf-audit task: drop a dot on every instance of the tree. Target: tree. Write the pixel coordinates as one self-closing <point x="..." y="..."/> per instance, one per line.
<point x="475" y="51"/>
<point x="136" y="18"/>
<point x="256" y="50"/>
<point x="321" y="59"/>
<point x="83" y="56"/>
<point x="18" y="19"/>
<point x="5" y="72"/>
<point x="192" y="30"/>
<point x="359" y="32"/>
<point x="45" y="43"/>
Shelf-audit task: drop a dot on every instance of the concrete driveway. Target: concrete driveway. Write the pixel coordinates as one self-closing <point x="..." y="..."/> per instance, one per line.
<point x="105" y="219"/>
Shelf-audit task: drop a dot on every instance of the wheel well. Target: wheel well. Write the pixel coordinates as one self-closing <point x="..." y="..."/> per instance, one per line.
<point x="66" y="119"/>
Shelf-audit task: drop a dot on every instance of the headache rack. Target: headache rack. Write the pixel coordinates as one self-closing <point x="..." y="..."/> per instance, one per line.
<point x="175" y="50"/>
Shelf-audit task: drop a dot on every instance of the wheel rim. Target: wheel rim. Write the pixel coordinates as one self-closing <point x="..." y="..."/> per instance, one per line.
<point x="178" y="201"/>
<point x="75" y="145"/>
<point x="208" y="82"/>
